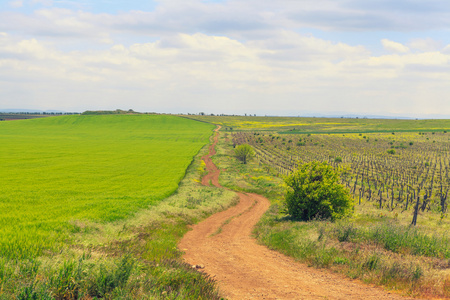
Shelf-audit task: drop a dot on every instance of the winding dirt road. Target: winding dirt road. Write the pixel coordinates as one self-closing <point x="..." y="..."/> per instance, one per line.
<point x="222" y="244"/>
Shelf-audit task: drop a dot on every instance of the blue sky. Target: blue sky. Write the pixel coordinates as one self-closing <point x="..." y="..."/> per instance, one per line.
<point x="284" y="57"/>
<point x="100" y="6"/>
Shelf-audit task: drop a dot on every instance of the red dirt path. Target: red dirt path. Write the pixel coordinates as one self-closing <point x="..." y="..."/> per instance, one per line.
<point x="247" y="270"/>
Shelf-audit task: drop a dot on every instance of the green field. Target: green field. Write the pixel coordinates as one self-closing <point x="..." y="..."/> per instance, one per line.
<point x="85" y="210"/>
<point x="303" y="125"/>
<point x="58" y="172"/>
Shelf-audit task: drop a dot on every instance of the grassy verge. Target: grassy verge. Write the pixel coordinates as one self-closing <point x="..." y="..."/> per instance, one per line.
<point x="134" y="258"/>
<point x="251" y="177"/>
<point x="375" y="246"/>
<point x="382" y="252"/>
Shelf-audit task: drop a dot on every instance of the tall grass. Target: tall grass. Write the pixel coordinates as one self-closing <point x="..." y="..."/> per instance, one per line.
<point x="406" y="240"/>
<point x="353" y="250"/>
<point x="124" y="278"/>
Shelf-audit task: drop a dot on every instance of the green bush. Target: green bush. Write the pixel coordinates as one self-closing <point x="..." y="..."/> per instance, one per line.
<point x="313" y="191"/>
<point x="243" y="152"/>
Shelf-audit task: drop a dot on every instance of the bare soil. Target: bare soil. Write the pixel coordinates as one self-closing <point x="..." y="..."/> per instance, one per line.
<point x="222" y="247"/>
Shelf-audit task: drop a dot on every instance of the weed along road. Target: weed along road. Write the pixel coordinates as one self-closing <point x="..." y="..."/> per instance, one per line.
<point x="222" y="247"/>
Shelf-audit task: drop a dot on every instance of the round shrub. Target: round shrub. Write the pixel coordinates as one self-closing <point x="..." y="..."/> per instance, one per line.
<point x="313" y="192"/>
<point x="244" y="152"/>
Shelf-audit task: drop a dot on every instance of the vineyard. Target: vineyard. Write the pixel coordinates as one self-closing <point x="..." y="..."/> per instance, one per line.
<point x="392" y="170"/>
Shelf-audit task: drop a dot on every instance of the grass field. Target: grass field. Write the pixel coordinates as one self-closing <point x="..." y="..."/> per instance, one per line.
<point x="86" y="210"/>
<point x="303" y="125"/>
<point x="58" y="171"/>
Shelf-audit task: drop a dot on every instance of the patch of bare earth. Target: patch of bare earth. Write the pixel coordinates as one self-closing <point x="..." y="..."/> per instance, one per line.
<point x="247" y="270"/>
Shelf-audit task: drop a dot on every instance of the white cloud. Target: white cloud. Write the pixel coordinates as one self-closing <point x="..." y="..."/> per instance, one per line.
<point x="16" y="3"/>
<point x="42" y="2"/>
<point x="199" y="72"/>
<point x="231" y="57"/>
<point x="293" y="47"/>
<point x="394" y="46"/>
<point x="250" y="19"/>
<point x="425" y="45"/>
<point x="56" y="25"/>
<point x="446" y="49"/>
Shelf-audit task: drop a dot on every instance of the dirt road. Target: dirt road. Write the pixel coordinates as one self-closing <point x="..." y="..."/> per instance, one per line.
<point x="246" y="270"/>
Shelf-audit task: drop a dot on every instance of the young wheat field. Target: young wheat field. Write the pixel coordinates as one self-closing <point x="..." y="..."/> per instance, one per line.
<point x="56" y="171"/>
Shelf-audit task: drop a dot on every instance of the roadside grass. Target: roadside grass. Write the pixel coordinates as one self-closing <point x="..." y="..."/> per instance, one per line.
<point x="134" y="257"/>
<point x="108" y="278"/>
<point x="251" y="177"/>
<point x="375" y="246"/>
<point x="384" y="252"/>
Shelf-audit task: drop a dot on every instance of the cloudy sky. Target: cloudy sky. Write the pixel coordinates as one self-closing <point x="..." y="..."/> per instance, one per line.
<point x="265" y="57"/>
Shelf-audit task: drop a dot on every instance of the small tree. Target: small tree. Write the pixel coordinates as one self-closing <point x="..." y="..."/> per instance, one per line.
<point x="313" y="191"/>
<point x="243" y="152"/>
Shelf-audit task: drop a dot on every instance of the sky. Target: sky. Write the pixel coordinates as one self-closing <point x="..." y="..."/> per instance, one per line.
<point x="264" y="57"/>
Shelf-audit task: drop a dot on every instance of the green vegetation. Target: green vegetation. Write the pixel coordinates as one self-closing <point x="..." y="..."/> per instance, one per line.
<point x="313" y="192"/>
<point x="391" y="151"/>
<point x="379" y="168"/>
<point x="378" y="248"/>
<point x="91" y="194"/>
<point x="243" y="152"/>
<point x="302" y="125"/>
<point x="56" y="171"/>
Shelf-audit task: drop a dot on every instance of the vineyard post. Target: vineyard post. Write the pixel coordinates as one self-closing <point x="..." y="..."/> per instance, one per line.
<point x="443" y="200"/>
<point x="416" y="209"/>
<point x="380" y="193"/>
<point x="407" y="201"/>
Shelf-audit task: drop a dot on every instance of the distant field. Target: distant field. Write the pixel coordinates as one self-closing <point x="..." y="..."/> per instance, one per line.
<point x="10" y="117"/>
<point x="302" y="125"/>
<point x="57" y="171"/>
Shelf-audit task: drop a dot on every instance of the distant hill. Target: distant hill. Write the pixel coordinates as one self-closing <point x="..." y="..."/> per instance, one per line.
<point x="109" y="112"/>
